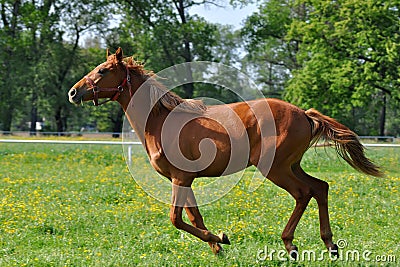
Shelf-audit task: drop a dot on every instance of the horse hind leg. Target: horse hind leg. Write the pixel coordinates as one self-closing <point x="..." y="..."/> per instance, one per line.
<point x="301" y="192"/>
<point x="320" y="193"/>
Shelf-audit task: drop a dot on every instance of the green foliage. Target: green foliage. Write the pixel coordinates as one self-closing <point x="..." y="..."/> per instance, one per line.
<point x="349" y="54"/>
<point x="40" y="55"/>
<point x="269" y="52"/>
<point x="341" y="57"/>
<point x="43" y="53"/>
<point x="147" y="34"/>
<point x="146" y="31"/>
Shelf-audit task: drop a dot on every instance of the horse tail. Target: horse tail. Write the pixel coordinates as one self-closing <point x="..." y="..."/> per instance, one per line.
<point x="346" y="142"/>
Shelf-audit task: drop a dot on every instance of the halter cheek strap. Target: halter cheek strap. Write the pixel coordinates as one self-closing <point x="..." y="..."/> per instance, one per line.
<point x="118" y="90"/>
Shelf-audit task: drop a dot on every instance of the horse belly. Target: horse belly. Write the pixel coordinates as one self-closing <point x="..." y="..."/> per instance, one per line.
<point x="227" y="128"/>
<point x="231" y="158"/>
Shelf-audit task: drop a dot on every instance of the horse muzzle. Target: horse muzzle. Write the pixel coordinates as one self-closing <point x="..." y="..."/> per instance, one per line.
<point x="74" y="96"/>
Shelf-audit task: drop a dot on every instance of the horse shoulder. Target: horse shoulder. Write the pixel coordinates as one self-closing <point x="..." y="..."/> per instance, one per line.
<point x="156" y="155"/>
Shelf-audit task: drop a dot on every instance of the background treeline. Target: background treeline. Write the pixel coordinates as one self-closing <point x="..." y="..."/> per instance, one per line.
<point x="341" y="57"/>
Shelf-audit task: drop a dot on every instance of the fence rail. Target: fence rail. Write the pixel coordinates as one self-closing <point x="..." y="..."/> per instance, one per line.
<point x="66" y="134"/>
<point x="75" y="142"/>
<point x="71" y="142"/>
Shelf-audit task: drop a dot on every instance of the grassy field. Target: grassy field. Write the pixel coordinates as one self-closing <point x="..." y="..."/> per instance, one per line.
<point x="69" y="205"/>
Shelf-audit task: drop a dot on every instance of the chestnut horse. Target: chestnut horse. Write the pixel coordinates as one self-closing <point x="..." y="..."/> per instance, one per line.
<point x="119" y="79"/>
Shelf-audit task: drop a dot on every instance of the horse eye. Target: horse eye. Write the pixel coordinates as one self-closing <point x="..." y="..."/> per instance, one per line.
<point x="102" y="71"/>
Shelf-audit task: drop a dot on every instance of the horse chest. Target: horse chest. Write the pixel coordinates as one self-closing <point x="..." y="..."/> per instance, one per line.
<point x="159" y="162"/>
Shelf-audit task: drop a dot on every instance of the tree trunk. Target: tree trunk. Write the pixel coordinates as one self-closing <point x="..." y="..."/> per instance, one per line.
<point x="7" y="118"/>
<point x="188" y="87"/>
<point x="61" y="121"/>
<point x="10" y="29"/>
<point x="117" y="123"/>
<point x="187" y="53"/>
<point x="34" y="116"/>
<point x="383" y="116"/>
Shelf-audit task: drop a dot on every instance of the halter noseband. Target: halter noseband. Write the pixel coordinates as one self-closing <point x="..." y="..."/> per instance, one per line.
<point x="118" y="90"/>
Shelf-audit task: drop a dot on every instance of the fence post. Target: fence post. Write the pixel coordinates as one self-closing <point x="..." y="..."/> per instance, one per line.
<point x="130" y="155"/>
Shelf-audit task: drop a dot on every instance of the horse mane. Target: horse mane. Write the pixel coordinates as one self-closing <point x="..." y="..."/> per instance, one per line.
<point x="160" y="96"/>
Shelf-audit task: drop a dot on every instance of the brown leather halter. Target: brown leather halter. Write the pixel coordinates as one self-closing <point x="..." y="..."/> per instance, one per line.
<point x="118" y="90"/>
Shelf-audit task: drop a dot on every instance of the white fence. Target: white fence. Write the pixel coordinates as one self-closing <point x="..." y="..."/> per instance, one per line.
<point x="73" y="142"/>
<point x="90" y="134"/>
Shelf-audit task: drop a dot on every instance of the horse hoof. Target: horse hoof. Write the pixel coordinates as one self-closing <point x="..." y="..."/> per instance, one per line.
<point x="216" y="248"/>
<point x="224" y="239"/>
<point x="293" y="252"/>
<point x="334" y="250"/>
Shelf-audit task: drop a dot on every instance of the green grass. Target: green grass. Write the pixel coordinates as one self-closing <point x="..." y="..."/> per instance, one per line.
<point x="68" y="205"/>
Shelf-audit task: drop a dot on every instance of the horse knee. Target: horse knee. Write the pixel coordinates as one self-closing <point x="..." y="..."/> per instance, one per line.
<point x="303" y="196"/>
<point x="176" y="221"/>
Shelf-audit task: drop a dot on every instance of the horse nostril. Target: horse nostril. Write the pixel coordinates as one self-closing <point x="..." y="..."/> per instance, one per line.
<point x="72" y="92"/>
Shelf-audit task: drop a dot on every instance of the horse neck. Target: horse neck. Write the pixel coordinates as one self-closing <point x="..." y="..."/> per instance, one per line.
<point x="138" y="109"/>
<point x="136" y="81"/>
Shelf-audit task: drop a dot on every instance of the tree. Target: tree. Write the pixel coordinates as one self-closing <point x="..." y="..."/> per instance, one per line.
<point x="68" y="61"/>
<point x="163" y="33"/>
<point x="350" y="58"/>
<point x="39" y="48"/>
<point x="9" y="54"/>
<point x="270" y="54"/>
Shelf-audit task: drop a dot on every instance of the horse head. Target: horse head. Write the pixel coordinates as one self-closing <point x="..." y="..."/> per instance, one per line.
<point x="108" y="80"/>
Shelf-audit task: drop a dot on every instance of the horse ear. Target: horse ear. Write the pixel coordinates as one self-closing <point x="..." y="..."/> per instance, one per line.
<point x="107" y="53"/>
<point x="118" y="54"/>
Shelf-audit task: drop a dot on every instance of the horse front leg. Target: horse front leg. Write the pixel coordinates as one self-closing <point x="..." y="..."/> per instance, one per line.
<point x="196" y="219"/>
<point x="182" y="196"/>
